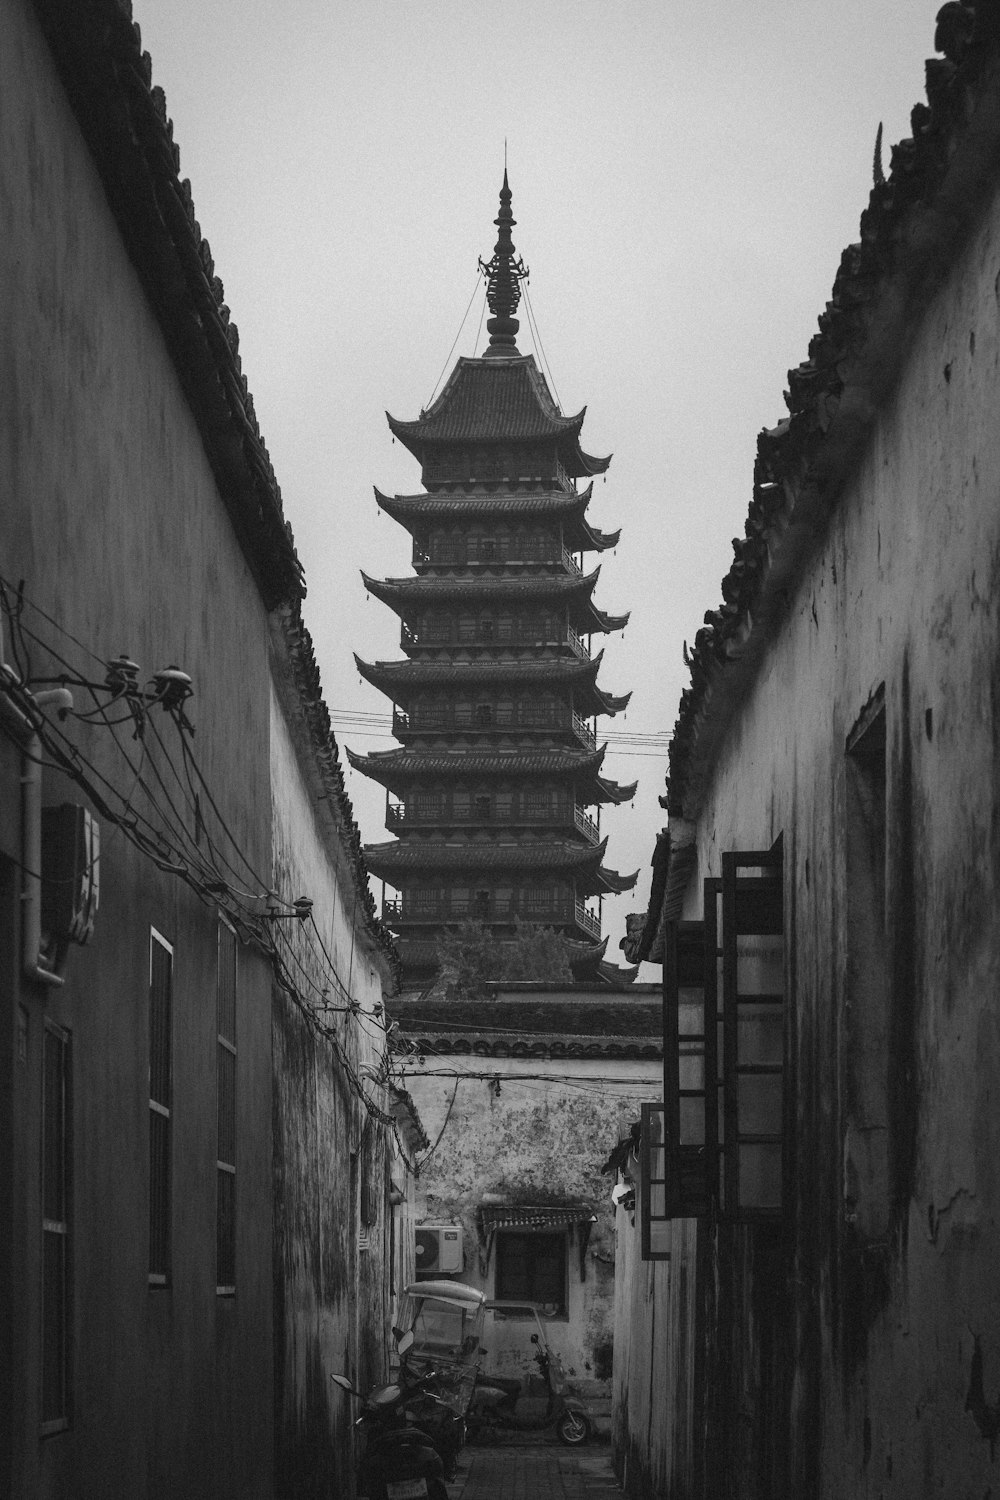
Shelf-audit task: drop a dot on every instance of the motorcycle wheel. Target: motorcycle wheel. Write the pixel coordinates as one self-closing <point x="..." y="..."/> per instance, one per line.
<point x="572" y="1428"/>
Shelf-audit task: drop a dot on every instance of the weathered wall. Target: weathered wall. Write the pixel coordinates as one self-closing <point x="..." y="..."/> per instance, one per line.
<point x="111" y="517"/>
<point x="331" y="1294"/>
<point x="541" y="1141"/>
<point x="895" y="1146"/>
<point x="653" y="1431"/>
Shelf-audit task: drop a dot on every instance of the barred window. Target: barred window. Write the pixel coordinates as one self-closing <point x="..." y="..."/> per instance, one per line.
<point x="161" y="965"/>
<point x="225" y="1223"/>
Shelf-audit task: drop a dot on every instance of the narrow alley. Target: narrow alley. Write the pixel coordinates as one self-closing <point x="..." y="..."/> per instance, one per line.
<point x="541" y="1470"/>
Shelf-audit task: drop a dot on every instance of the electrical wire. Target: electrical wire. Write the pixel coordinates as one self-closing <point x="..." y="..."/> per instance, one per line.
<point x="157" y="844"/>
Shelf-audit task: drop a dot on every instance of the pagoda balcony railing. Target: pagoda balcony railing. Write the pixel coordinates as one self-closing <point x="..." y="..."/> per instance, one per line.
<point x="587" y="920"/>
<point x="570" y="563"/>
<point x="486" y="812"/>
<point x="586" y="825"/>
<point x="491" y="718"/>
<point x="503" y="632"/>
<point x="458" y="909"/>
<point x="576" y="644"/>
<point x="466" y="469"/>
<point x="460" y="552"/>
<point x="487" y="634"/>
<point x="584" y="733"/>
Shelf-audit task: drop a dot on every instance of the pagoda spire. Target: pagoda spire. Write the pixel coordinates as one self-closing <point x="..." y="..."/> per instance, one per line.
<point x="504" y="275"/>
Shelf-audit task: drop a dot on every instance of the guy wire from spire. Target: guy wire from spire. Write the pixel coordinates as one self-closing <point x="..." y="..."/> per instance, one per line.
<point x="457" y="337"/>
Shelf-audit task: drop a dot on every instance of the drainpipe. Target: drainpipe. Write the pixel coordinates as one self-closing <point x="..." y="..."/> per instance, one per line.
<point x="31" y="822"/>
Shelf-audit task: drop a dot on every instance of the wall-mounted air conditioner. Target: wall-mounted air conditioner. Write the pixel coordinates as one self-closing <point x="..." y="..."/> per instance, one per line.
<point x="439" y="1249"/>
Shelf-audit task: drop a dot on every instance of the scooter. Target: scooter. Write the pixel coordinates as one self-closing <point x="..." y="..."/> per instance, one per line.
<point x="400" y="1461"/>
<point x="495" y="1403"/>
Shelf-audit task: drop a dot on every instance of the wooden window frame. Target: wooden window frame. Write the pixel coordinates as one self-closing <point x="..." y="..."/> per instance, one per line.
<point x="752" y="906"/>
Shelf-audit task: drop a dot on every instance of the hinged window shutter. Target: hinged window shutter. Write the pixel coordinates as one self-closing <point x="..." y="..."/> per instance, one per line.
<point x="653" y="1185"/>
<point x="753" y="1005"/>
<point x="689" y="1090"/>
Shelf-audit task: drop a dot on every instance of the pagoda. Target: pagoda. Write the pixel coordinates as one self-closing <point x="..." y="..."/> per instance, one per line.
<point x="496" y="791"/>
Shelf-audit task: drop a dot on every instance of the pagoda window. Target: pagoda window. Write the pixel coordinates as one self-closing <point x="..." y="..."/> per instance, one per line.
<point x="466" y="628"/>
<point x="483" y="807"/>
<point x="487" y="626"/>
<point x="461" y="803"/>
<point x="537" y="802"/>
<point x="424" y="900"/>
<point x="505" y="628"/>
<point x="482" y="903"/>
<point x="437" y="628"/>
<point x="427" y="806"/>
<point x="539" y="900"/>
<point x="483" y="715"/>
<point x="504" y="804"/>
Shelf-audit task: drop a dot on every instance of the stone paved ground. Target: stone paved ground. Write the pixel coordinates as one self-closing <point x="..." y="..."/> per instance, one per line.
<point x="539" y="1470"/>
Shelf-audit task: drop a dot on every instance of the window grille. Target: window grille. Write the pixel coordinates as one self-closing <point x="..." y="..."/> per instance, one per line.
<point x="225" y="1219"/>
<point x="161" y="961"/>
<point x="57" y="1161"/>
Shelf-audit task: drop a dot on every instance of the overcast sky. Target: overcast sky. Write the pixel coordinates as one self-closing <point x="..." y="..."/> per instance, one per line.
<point x="685" y="177"/>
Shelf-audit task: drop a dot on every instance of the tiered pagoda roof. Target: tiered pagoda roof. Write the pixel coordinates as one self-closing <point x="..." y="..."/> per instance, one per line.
<point x="492" y="817"/>
<point x="569" y="507"/>
<point x="407" y="596"/>
<point x="583" y="860"/>
<point x="400" y="680"/>
<point x="498" y="401"/>
<point x="395" y="769"/>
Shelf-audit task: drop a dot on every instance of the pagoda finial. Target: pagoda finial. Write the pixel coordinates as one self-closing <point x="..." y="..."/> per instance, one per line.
<point x="504" y="275"/>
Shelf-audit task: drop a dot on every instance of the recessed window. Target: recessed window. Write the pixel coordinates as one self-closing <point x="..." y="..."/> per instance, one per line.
<point x="532" y="1268"/>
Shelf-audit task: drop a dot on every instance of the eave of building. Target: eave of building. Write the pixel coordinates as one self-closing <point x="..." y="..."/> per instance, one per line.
<point x="536" y="1044"/>
<point x="402" y="680"/>
<point x="399" y="769"/>
<point x="308" y="707"/>
<point x="392" y="861"/>
<point x="123" y="118"/>
<point x="414" y="512"/>
<point x="498" y="401"/>
<point x="914" y="225"/>
<point x="408" y="596"/>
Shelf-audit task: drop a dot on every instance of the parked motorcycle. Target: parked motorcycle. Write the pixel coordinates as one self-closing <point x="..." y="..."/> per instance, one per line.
<point x="500" y="1402"/>
<point x="440" y="1326"/>
<point x="400" y="1460"/>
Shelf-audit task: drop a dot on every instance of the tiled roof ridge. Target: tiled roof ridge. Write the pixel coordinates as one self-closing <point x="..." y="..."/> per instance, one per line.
<point x="832" y="396"/>
<point x="107" y="76"/>
<point x="309" y="691"/>
<point x="463" y="1041"/>
<point x="569" y="500"/>
<point x="521" y="367"/>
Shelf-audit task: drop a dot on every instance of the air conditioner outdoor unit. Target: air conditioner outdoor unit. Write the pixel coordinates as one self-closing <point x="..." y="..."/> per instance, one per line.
<point x="439" y="1249"/>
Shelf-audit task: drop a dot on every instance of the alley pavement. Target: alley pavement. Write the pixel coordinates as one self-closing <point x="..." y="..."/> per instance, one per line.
<point x="538" y="1470"/>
